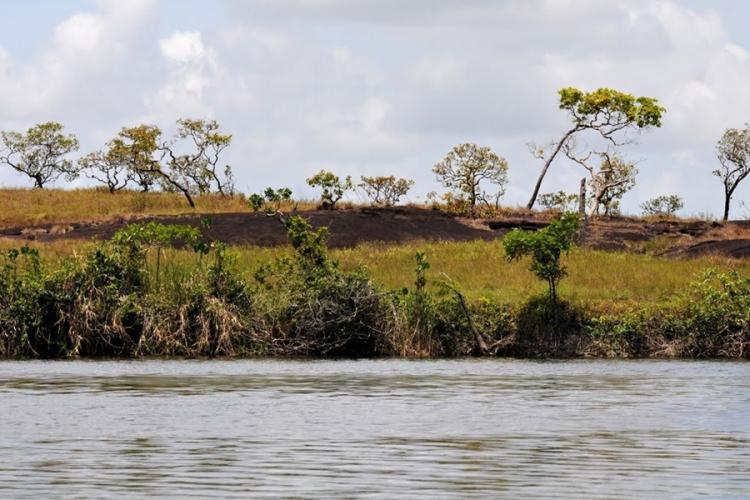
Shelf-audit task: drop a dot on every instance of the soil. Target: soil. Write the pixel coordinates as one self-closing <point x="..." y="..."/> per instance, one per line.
<point x="350" y="227"/>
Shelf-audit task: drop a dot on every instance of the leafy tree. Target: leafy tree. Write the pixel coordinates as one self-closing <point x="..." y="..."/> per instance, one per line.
<point x="137" y="148"/>
<point x="559" y="201"/>
<point x="545" y="247"/>
<point x="109" y="167"/>
<point x="199" y="164"/>
<point x="662" y="205"/>
<point x="40" y="153"/>
<point x="186" y="164"/>
<point x="385" y="190"/>
<point x="466" y="167"/>
<point x="733" y="150"/>
<point x="607" y="112"/>
<point x="333" y="188"/>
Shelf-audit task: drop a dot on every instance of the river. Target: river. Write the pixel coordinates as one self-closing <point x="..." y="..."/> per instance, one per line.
<point x="374" y="429"/>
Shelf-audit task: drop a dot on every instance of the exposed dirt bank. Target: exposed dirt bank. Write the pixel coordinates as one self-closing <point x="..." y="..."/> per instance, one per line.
<point x="395" y="225"/>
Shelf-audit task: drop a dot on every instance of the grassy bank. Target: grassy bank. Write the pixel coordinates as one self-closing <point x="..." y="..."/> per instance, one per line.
<point x="136" y="296"/>
<point x="23" y="207"/>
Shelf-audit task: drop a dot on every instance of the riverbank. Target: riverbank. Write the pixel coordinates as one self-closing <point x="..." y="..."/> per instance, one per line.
<point x="135" y="295"/>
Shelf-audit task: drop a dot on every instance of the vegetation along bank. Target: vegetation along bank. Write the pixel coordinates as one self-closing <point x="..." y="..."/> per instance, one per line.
<point x="161" y="290"/>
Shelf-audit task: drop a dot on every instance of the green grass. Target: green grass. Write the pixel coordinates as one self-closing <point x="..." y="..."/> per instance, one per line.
<point x="603" y="280"/>
<point x="607" y="281"/>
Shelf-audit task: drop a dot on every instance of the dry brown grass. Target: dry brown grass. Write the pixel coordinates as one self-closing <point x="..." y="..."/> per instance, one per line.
<point x="27" y="207"/>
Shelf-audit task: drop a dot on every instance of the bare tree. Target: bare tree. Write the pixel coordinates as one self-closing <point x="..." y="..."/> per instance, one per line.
<point x="607" y="112"/>
<point x="733" y="150"/>
<point x="40" y="153"/>
<point x="609" y="180"/>
<point x="107" y="167"/>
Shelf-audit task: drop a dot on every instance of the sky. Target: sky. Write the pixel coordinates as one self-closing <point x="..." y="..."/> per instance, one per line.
<point x="385" y="87"/>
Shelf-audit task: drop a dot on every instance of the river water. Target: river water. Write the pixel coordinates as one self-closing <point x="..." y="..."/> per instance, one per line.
<point x="378" y="429"/>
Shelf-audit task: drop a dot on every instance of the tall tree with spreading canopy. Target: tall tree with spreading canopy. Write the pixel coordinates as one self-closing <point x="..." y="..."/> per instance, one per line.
<point x="733" y="150"/>
<point x="40" y="153"/>
<point x="187" y="163"/>
<point x="467" y="167"/>
<point x="609" y="113"/>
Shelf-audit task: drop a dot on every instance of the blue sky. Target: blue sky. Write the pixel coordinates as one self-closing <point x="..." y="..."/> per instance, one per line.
<point x="384" y="86"/>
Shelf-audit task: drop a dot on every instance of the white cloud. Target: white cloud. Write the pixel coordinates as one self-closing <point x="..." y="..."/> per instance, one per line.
<point x="184" y="47"/>
<point x="386" y="86"/>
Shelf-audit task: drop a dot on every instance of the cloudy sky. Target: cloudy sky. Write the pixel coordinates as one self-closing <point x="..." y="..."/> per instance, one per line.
<point x="367" y="87"/>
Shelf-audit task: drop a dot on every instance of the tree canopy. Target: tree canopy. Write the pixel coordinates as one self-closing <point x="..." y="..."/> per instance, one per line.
<point x="40" y="153"/>
<point x="467" y="168"/>
<point x="609" y="113"/>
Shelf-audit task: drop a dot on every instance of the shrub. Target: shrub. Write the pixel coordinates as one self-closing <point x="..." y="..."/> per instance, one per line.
<point x="332" y="187"/>
<point x="560" y="200"/>
<point x="662" y="205"/>
<point x="385" y="190"/>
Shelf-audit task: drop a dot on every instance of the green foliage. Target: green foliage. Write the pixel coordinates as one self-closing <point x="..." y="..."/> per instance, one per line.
<point x="317" y="308"/>
<point x="606" y="112"/>
<point x="545" y="247"/>
<point x="610" y="108"/>
<point x="40" y="153"/>
<point x="466" y="168"/>
<point x="256" y="201"/>
<point x="664" y="205"/>
<point x="332" y="187"/>
<point x="385" y="190"/>
<point x="271" y="199"/>
<point x="560" y="201"/>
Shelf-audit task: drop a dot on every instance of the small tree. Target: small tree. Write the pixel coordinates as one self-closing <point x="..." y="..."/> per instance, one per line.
<point x="545" y="247"/>
<point x="385" y="190"/>
<point x="665" y="205"/>
<point x="270" y="195"/>
<point x="560" y="200"/>
<point x="108" y="167"/>
<point x="137" y="147"/>
<point x="607" y="112"/>
<point x="333" y="188"/>
<point x="198" y="165"/>
<point x="466" y="167"/>
<point x="733" y="150"/>
<point x="40" y="153"/>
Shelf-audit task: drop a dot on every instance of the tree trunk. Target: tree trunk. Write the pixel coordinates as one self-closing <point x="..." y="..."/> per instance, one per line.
<point x="547" y="163"/>
<point x="582" y="200"/>
<point x="727" y="199"/>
